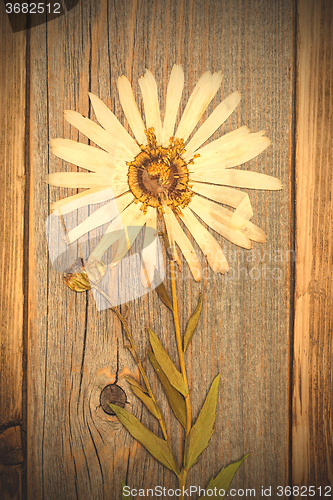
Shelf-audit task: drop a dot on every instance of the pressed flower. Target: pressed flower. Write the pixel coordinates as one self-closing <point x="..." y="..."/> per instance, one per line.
<point x="165" y="173"/>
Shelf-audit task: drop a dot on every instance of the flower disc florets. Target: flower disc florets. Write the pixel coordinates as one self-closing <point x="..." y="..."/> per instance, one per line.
<point x="159" y="175"/>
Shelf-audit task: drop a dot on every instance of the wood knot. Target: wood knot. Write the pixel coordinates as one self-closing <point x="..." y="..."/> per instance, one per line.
<point x="112" y="394"/>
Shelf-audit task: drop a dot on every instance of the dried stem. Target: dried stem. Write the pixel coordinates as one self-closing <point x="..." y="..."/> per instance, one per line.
<point x="179" y="345"/>
<point x="135" y="355"/>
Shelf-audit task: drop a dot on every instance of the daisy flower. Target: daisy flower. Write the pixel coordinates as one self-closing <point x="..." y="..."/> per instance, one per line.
<point x="165" y="173"/>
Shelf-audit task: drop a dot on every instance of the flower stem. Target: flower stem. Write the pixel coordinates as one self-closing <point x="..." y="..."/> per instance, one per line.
<point x="136" y="357"/>
<point x="182" y="482"/>
<point x="179" y="345"/>
<point x="142" y="371"/>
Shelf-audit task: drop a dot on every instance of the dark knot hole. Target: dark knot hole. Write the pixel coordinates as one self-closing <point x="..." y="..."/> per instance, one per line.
<point x="112" y="394"/>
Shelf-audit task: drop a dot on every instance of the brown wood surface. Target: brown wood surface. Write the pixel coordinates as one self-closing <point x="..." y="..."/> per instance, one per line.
<point x="76" y="450"/>
<point x="12" y="182"/>
<point x="312" y="387"/>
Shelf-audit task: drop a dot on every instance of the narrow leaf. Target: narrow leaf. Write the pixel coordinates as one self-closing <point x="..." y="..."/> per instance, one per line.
<point x="174" y="376"/>
<point x="132" y="381"/>
<point x="156" y="446"/>
<point x="222" y="481"/>
<point x="139" y="391"/>
<point x="175" y="399"/>
<point x="163" y="295"/>
<point x="200" y="434"/>
<point x="123" y="496"/>
<point x="192" y="324"/>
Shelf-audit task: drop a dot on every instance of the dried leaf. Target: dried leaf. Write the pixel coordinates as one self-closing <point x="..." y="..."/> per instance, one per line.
<point x="163" y="295"/>
<point x="156" y="446"/>
<point x="133" y="381"/>
<point x="175" y="399"/>
<point x="139" y="391"/>
<point x="123" y="496"/>
<point x="201" y="432"/>
<point x="223" y="479"/>
<point x="174" y="376"/>
<point x="192" y="324"/>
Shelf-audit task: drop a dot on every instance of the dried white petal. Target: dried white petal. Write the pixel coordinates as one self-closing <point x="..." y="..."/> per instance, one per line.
<point x="208" y="244"/>
<point x="213" y="122"/>
<point x="174" y="93"/>
<point x="214" y="215"/>
<point x="200" y="98"/>
<point x="131" y="110"/>
<point x="150" y="100"/>
<point x="112" y="125"/>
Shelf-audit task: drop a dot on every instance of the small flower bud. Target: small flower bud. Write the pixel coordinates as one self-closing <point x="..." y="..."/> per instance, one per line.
<point x="76" y="278"/>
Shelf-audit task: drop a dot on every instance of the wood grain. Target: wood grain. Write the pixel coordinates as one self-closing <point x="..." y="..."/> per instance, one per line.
<point x="76" y="450"/>
<point x="312" y="454"/>
<point x="12" y="182"/>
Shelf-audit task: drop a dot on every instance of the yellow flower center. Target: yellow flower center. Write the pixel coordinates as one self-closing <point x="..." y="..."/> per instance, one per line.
<point x="159" y="175"/>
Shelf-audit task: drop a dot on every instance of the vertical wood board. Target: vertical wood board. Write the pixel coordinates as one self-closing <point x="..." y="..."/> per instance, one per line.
<point x="12" y="186"/>
<point x="312" y="382"/>
<point x="76" y="450"/>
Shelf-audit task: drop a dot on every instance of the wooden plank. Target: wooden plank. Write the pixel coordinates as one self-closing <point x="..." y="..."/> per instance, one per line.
<point x="76" y="450"/>
<point x="12" y="182"/>
<point x="312" y="383"/>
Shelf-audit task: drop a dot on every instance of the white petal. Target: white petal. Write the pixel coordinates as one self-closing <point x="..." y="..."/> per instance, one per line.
<point x="247" y="153"/>
<point x="112" y="125"/>
<point x="131" y="110"/>
<point x="221" y="194"/>
<point x="114" y="232"/>
<point x="84" y="156"/>
<point x="150" y="100"/>
<point x="76" y="180"/>
<point x="233" y="153"/>
<point x="251" y="231"/>
<point x="174" y="93"/>
<point x="208" y="244"/>
<point x="238" y="178"/>
<point x="254" y="232"/>
<point x="215" y="216"/>
<point x="170" y="223"/>
<point x="88" y="197"/>
<point x="200" y="98"/>
<point x="131" y="230"/>
<point x="233" y="198"/>
<point x="100" y="216"/>
<point x="187" y="249"/>
<point x="106" y="141"/>
<point x="149" y="251"/>
<point x="242" y="214"/>
<point x="213" y="122"/>
<point x="227" y="140"/>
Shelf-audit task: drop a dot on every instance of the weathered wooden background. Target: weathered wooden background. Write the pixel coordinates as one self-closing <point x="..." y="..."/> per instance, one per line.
<point x="266" y="326"/>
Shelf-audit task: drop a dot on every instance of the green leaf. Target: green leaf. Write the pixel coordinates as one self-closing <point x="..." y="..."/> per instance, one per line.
<point x="175" y="399"/>
<point x="192" y="324"/>
<point x="163" y="295"/>
<point x="123" y="496"/>
<point x="223" y="479"/>
<point x="174" y="376"/>
<point x="156" y="446"/>
<point x="200" y="434"/>
<point x="139" y="391"/>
